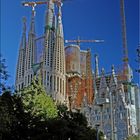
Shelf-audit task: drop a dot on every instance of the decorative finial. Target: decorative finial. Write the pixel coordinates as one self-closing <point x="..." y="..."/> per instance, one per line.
<point x="59" y="3"/>
<point x="103" y="71"/>
<point x="112" y="67"/>
<point x="113" y="70"/>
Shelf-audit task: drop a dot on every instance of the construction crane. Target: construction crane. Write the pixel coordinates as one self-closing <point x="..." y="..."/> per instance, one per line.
<point x="78" y="41"/>
<point x="33" y="4"/>
<point x="124" y="38"/>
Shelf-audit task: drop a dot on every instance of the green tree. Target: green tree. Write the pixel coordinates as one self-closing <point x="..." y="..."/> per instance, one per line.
<point x="15" y="123"/>
<point x="133" y="138"/>
<point x="5" y="117"/>
<point x="3" y="75"/>
<point x="72" y="125"/>
<point x="22" y="125"/>
<point x="37" y="102"/>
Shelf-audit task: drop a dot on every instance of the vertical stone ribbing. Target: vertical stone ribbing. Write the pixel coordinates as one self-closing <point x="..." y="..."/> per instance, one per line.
<point x="49" y="47"/>
<point x="53" y="70"/>
<point x="31" y="55"/>
<point x="59" y="62"/>
<point x="21" y="59"/>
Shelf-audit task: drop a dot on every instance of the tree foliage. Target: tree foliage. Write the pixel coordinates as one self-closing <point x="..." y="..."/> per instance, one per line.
<point x="70" y="125"/>
<point x="21" y="125"/>
<point x="3" y="75"/>
<point x="37" y="102"/>
<point x="133" y="138"/>
<point x="6" y="113"/>
<point x="12" y="116"/>
<point x="32" y="114"/>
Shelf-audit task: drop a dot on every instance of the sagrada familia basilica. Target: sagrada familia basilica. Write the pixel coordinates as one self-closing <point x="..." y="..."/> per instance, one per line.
<point x="109" y="101"/>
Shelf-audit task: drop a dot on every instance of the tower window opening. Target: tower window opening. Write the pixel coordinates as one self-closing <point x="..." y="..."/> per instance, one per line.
<point x="60" y="85"/>
<point x="50" y="82"/>
<point x="63" y="87"/>
<point x="25" y="80"/>
<point x="28" y="79"/>
<point x="47" y="77"/>
<point x="57" y="84"/>
<point x="54" y="82"/>
<point x="31" y="77"/>
<point x="22" y="85"/>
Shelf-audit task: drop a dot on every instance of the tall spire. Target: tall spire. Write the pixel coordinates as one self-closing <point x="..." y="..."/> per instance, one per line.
<point x="21" y="59"/>
<point x="96" y="66"/>
<point x="54" y="23"/>
<point x="59" y="22"/>
<point x="58" y="69"/>
<point x="30" y="58"/>
<point x="49" y="15"/>
<point x="23" y="39"/>
<point x="32" y="24"/>
<point x="94" y="86"/>
<point x="49" y="35"/>
<point x="31" y="42"/>
<point x="113" y="80"/>
<point x="48" y="53"/>
<point x="103" y="84"/>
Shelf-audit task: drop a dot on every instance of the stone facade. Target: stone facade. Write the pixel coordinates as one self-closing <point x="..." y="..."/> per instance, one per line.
<point x="113" y="110"/>
<point x="52" y="62"/>
<point x="137" y="104"/>
<point x="106" y="100"/>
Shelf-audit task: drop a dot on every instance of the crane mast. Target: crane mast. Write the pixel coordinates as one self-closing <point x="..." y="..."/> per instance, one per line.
<point x="124" y="38"/>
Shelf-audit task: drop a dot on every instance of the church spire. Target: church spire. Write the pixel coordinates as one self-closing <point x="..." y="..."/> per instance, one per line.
<point x="30" y="58"/>
<point x="49" y="15"/>
<point x="96" y="66"/>
<point x="59" y="61"/>
<point x="21" y="59"/>
<point x="94" y="86"/>
<point x="54" y="23"/>
<point x="23" y="39"/>
<point x="113" y="80"/>
<point x="59" y="22"/>
<point x="32" y="24"/>
<point x="103" y="83"/>
<point x="48" y="53"/>
<point x="103" y="88"/>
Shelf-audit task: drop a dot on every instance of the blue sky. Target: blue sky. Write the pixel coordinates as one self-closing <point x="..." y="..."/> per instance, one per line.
<point x="89" y="19"/>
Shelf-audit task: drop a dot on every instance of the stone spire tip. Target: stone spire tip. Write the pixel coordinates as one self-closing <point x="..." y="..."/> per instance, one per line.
<point x="103" y="71"/>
